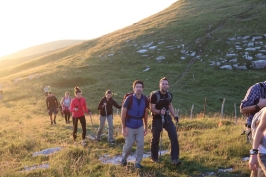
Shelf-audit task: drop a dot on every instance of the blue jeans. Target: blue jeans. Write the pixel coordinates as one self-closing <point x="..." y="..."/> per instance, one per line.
<point x="172" y="134"/>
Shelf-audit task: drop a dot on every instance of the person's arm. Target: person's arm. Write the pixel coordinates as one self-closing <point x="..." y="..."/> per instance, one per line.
<point x="116" y="105"/>
<point x="47" y="103"/>
<point x="146" y="121"/>
<point x="123" y="116"/>
<point x="247" y="105"/>
<point x="253" y="161"/>
<point x="100" y="106"/>
<point x="72" y="106"/>
<point x="153" y="103"/>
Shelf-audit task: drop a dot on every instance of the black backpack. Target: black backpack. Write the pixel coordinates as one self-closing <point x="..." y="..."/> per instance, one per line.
<point x="157" y="92"/>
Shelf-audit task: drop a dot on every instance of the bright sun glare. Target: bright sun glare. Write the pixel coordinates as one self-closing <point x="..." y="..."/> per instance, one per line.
<point x="29" y="22"/>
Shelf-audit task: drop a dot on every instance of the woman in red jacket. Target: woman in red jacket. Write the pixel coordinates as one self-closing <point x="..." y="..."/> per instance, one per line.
<point x="78" y="107"/>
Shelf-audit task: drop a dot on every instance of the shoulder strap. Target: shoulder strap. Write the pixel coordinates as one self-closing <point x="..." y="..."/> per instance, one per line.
<point x="169" y="95"/>
<point x="158" y="96"/>
<point x="130" y="101"/>
<point x="262" y="90"/>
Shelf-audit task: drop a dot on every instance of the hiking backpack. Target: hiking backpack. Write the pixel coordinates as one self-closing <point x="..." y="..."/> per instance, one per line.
<point x="157" y="92"/>
<point x="130" y="95"/>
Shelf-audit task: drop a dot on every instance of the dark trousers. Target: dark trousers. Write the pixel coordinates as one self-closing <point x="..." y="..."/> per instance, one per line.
<point x="75" y="126"/>
<point x="172" y="134"/>
<point x="67" y="115"/>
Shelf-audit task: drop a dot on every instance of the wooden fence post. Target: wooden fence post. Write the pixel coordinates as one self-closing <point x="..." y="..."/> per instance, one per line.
<point x="204" y="107"/>
<point x="235" y="112"/>
<point x="191" y="112"/>
<point x="222" y="109"/>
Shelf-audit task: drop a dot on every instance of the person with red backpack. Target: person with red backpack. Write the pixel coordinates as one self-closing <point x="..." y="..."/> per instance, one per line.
<point x="134" y="111"/>
<point x="78" y="106"/>
<point x="161" y="106"/>
<point x="106" y="112"/>
<point x="65" y="104"/>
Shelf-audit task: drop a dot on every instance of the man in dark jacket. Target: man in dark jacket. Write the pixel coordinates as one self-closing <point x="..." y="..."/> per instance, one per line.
<point x="106" y="112"/>
<point x="52" y="106"/>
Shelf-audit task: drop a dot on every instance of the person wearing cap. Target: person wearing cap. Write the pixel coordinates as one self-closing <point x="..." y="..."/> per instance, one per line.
<point x="52" y="106"/>
<point x="78" y="106"/>
<point x="105" y="108"/>
<point x="46" y="90"/>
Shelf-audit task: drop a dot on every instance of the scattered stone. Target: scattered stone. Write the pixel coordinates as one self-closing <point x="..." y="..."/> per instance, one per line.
<point x="127" y="40"/>
<point x="261" y="43"/>
<point x="264" y="35"/>
<point x="245" y="41"/>
<point x="231" y="55"/>
<point x="239" y="48"/>
<point x="250" y="49"/>
<point x="251" y="44"/>
<point x="231" y="39"/>
<point x="259" y="64"/>
<point x="256" y="38"/>
<point x="147" y="45"/>
<point x="160" y="58"/>
<point x="46" y="151"/>
<point x="183" y="58"/>
<point x="43" y="166"/>
<point x="152" y="47"/>
<point x="147" y="69"/>
<point x="257" y="48"/>
<point x="225" y="170"/>
<point x="239" y="67"/>
<point x="233" y="60"/>
<point x="162" y="42"/>
<point x="218" y="63"/>
<point x="228" y="67"/>
<point x="262" y="51"/>
<point x="116" y="160"/>
<point x="142" y="51"/>
<point x="247" y="57"/>
<point x="110" y="55"/>
<point x="193" y="54"/>
<point x="237" y="43"/>
<point x="245" y="159"/>
<point x="245" y="37"/>
<point x="261" y="56"/>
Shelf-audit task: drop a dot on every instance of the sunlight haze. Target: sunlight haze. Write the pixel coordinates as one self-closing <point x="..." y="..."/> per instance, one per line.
<point x="30" y="22"/>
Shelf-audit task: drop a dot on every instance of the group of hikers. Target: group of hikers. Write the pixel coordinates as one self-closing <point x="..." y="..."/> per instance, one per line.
<point x="134" y="118"/>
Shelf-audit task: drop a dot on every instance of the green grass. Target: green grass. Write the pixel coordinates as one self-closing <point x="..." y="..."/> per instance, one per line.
<point x="205" y="147"/>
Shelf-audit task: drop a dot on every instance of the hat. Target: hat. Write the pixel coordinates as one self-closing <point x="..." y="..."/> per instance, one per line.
<point x="49" y="89"/>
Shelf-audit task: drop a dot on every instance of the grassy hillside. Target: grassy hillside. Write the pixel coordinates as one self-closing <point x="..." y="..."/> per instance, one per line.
<point x="190" y="35"/>
<point x="34" y="52"/>
<point x="112" y="61"/>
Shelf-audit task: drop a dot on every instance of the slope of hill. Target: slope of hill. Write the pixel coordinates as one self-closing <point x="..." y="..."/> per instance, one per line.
<point x="41" y="48"/>
<point x="180" y="43"/>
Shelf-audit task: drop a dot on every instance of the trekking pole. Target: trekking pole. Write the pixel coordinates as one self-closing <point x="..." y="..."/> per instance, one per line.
<point x="161" y="139"/>
<point x="106" y="115"/>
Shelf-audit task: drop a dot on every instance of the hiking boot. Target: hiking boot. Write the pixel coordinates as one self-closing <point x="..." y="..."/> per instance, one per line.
<point x="137" y="165"/>
<point x="54" y="122"/>
<point x="97" y="138"/>
<point x="154" y="160"/>
<point x="51" y="123"/>
<point x="112" y="141"/>
<point x="124" y="162"/>
<point x="83" y="143"/>
<point x="176" y="162"/>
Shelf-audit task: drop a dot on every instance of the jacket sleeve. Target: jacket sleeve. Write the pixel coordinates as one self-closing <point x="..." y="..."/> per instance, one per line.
<point x="100" y="105"/>
<point x="72" y="106"/>
<point x="116" y="105"/>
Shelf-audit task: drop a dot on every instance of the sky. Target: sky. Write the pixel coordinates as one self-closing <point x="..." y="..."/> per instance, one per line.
<point x="26" y="23"/>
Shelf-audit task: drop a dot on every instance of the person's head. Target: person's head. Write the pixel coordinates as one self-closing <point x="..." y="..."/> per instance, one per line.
<point x="138" y="86"/>
<point x="108" y="94"/>
<point x="163" y="84"/>
<point x="67" y="94"/>
<point x="50" y="94"/>
<point x="77" y="92"/>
